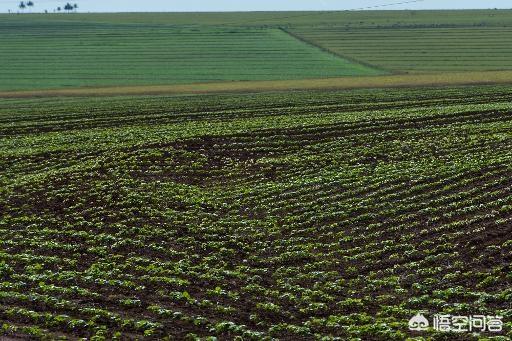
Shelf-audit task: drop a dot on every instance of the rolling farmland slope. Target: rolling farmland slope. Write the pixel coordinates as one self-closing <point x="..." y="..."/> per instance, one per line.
<point x="55" y="51"/>
<point x="301" y="215"/>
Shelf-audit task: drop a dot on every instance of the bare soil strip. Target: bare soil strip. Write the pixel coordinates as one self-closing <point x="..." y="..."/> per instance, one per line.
<point x="391" y="81"/>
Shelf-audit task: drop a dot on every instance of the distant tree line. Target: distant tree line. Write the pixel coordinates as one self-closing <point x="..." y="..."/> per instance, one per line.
<point x="23" y="5"/>
<point x="29" y="4"/>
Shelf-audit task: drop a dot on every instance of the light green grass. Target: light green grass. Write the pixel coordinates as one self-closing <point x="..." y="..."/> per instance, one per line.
<point x="59" y="54"/>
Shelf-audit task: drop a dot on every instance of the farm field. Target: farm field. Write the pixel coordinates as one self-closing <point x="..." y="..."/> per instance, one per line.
<point x="59" y="51"/>
<point x="292" y="215"/>
<point x="419" y="49"/>
<point x="56" y="55"/>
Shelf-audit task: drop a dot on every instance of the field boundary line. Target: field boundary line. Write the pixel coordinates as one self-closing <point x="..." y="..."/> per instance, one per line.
<point x="334" y="53"/>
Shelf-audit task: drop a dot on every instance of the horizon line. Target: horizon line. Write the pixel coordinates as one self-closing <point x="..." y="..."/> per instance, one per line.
<point x="270" y="11"/>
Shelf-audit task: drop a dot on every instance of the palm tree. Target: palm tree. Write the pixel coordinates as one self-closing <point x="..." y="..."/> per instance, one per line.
<point x="75" y="6"/>
<point x="22" y="6"/>
<point x="30" y="4"/>
<point x="68" y="7"/>
<point x="58" y="9"/>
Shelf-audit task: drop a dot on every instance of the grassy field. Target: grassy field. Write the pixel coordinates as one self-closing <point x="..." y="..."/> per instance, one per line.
<point x="56" y="55"/>
<point x="419" y="49"/>
<point x="294" y="215"/>
<point x="56" y="51"/>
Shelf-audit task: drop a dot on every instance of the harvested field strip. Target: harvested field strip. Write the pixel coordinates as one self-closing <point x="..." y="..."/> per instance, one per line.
<point x="394" y="81"/>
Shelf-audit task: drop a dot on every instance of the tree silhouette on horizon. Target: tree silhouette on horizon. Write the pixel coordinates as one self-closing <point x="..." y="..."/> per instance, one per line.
<point x="68" y="7"/>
